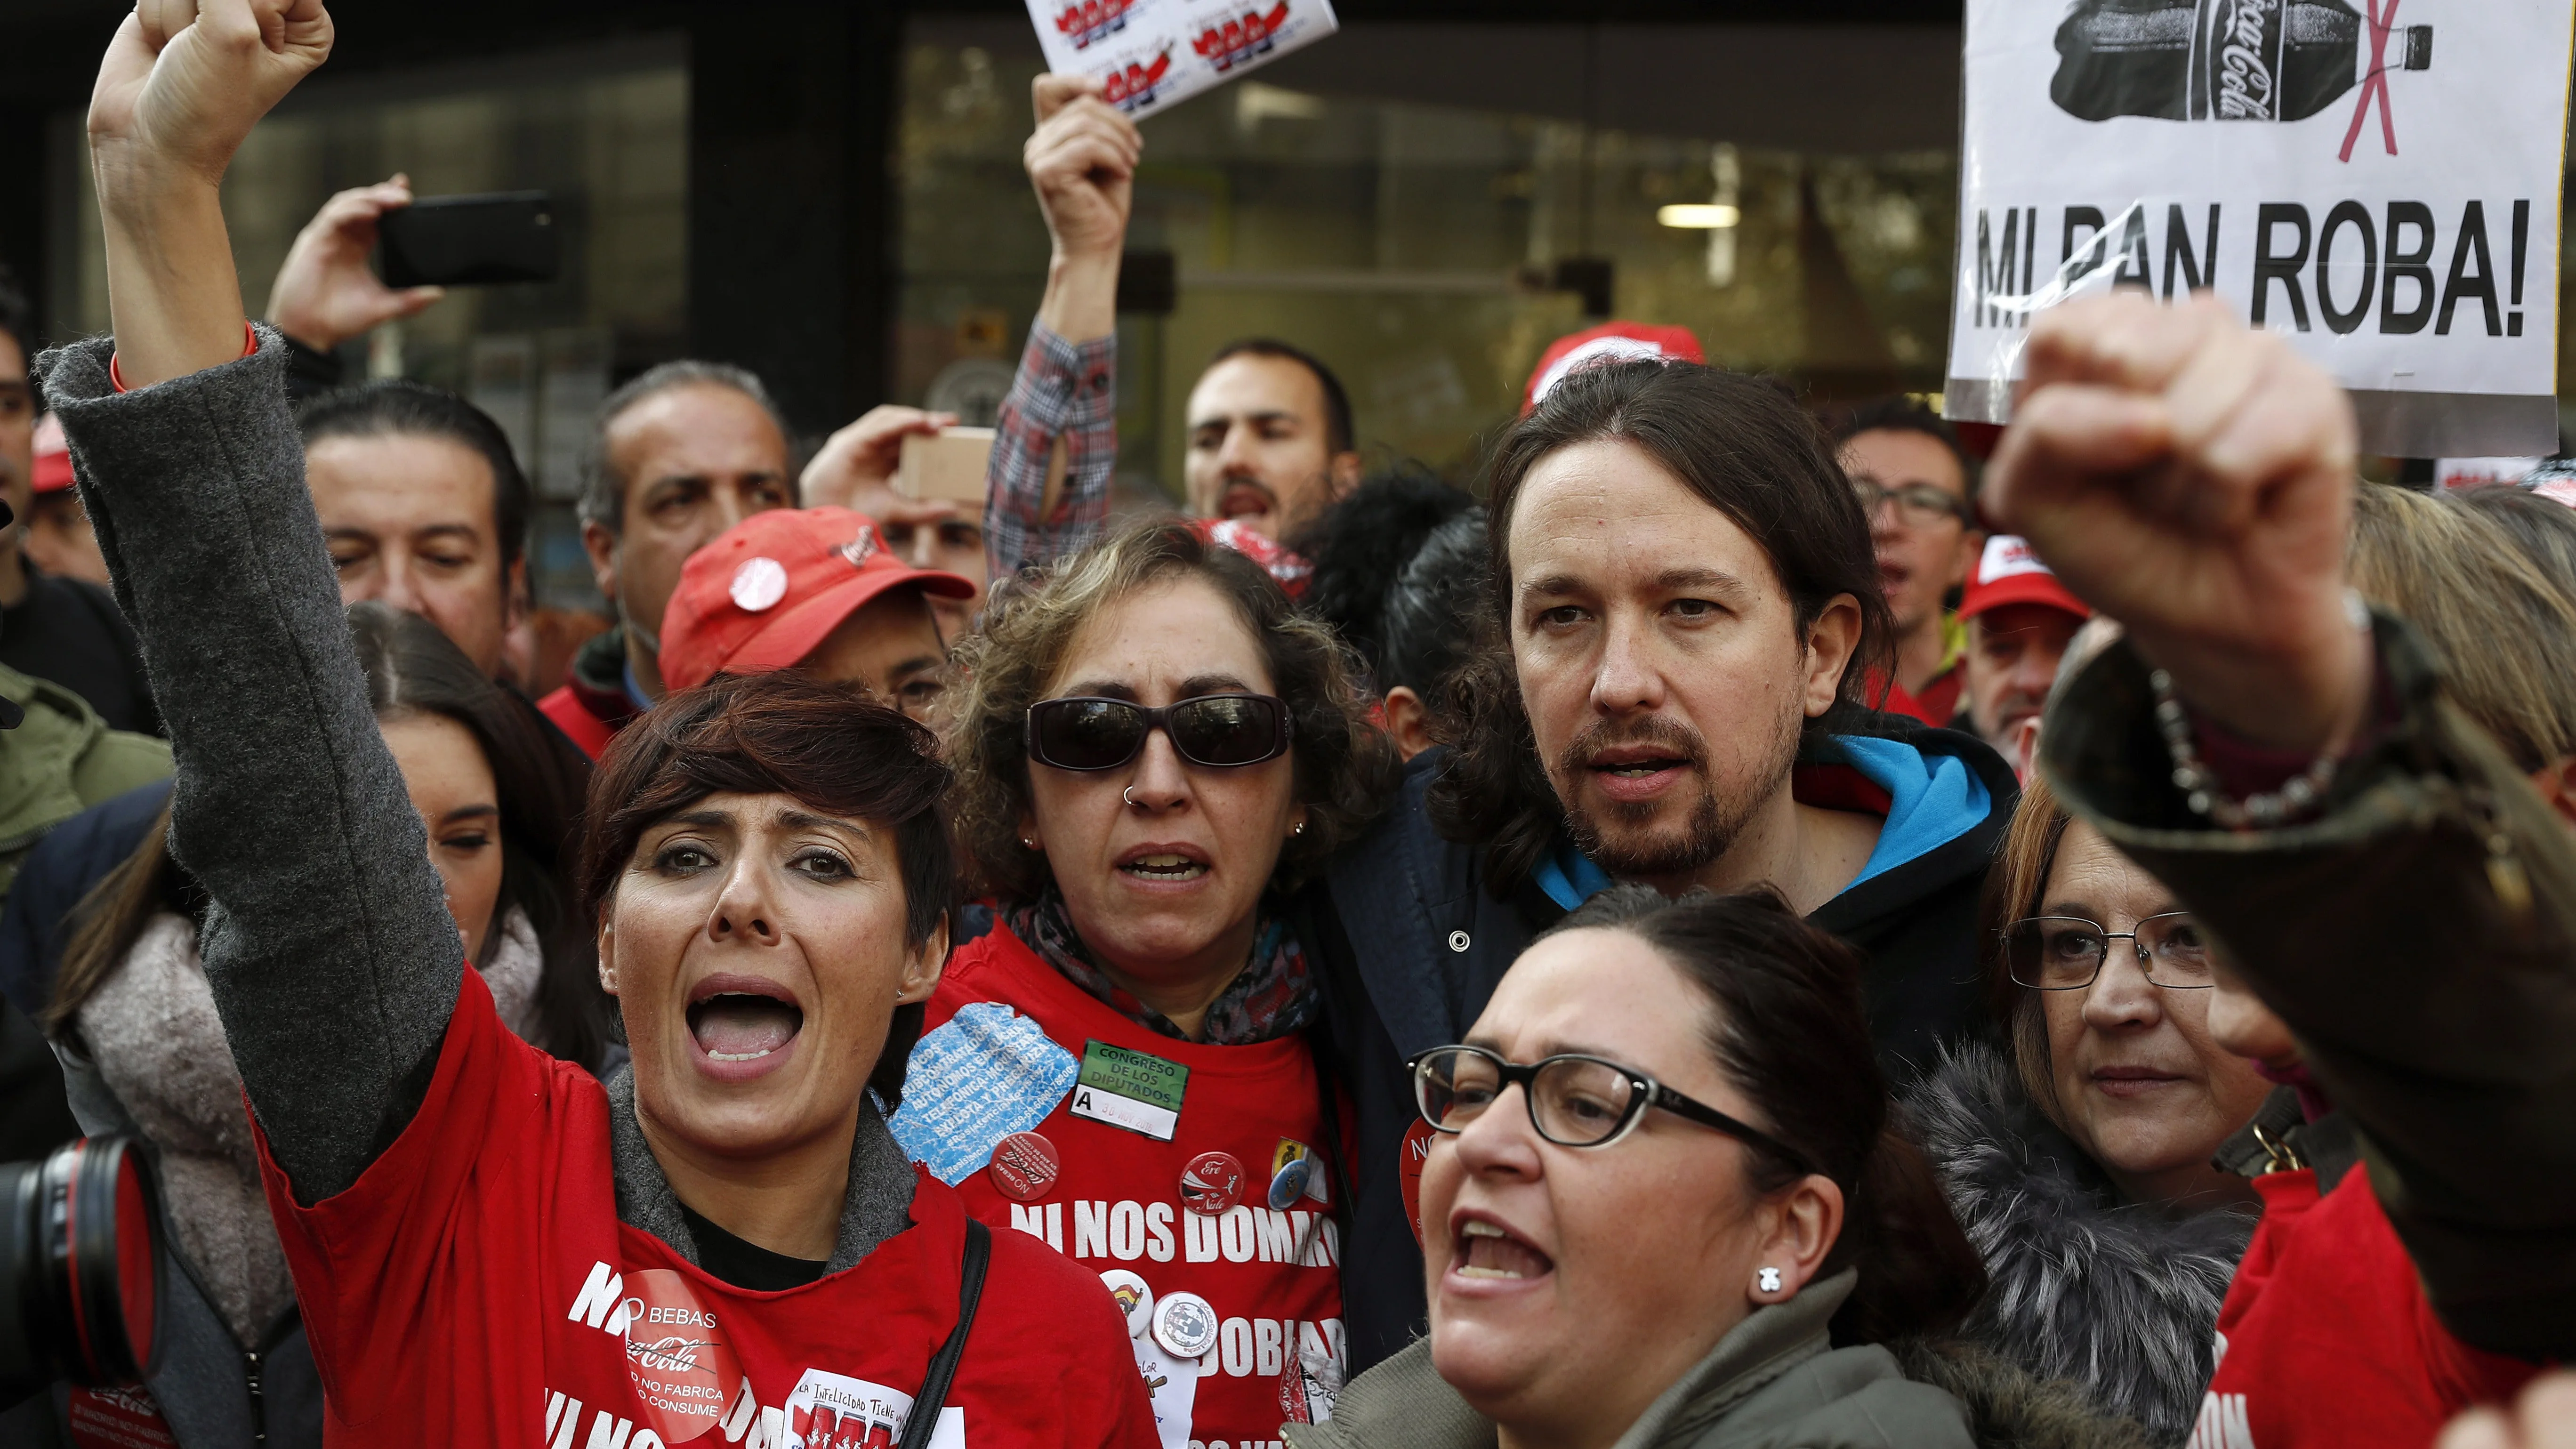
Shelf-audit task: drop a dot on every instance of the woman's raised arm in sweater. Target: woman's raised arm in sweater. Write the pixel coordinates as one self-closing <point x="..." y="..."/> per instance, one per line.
<point x="333" y="960"/>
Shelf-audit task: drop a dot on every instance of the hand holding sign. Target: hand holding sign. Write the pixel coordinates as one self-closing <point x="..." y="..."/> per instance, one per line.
<point x="2194" y="479"/>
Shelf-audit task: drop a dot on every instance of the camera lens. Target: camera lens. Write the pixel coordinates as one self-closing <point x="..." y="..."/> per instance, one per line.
<point x="80" y="1266"/>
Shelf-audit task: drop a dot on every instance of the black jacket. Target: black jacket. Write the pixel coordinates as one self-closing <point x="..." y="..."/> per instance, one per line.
<point x="1410" y="942"/>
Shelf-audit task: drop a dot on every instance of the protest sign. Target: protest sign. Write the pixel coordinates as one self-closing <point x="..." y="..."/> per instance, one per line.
<point x="1152" y="54"/>
<point x="2385" y="194"/>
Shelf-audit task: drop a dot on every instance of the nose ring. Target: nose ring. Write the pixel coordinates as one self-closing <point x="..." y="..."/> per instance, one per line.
<point x="1128" y="795"/>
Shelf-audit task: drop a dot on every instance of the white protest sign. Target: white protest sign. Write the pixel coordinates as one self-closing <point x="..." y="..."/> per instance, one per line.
<point x="1153" y="53"/>
<point x="2382" y="191"/>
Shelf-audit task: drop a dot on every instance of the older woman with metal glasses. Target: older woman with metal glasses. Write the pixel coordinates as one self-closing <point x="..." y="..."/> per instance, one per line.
<point x="1153" y="755"/>
<point x="1661" y="1188"/>
<point x="2080" y="1163"/>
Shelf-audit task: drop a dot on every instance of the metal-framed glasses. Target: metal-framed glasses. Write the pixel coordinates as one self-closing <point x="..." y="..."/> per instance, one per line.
<point x="1573" y="1100"/>
<point x="1092" y="732"/>
<point x="2065" y="953"/>
<point x="1918" y="504"/>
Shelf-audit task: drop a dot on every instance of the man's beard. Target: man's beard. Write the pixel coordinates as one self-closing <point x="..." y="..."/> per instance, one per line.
<point x="1623" y="839"/>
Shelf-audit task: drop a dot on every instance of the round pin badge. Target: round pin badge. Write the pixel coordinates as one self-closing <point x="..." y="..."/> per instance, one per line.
<point x="1024" y="1166"/>
<point x="1290" y="1182"/>
<point x="1133" y="1298"/>
<point x="1211" y="1183"/>
<point x="1185" y="1325"/>
<point x="760" y="583"/>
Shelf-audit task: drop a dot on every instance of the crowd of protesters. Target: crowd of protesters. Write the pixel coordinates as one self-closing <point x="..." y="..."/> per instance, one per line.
<point x="1742" y="927"/>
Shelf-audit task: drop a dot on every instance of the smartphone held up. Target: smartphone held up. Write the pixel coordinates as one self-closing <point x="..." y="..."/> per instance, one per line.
<point x="457" y="241"/>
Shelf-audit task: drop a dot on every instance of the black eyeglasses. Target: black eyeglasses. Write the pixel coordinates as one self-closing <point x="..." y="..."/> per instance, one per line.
<point x="1574" y="1100"/>
<point x="1223" y="731"/>
<point x="1917" y="503"/>
<point x="2065" y="953"/>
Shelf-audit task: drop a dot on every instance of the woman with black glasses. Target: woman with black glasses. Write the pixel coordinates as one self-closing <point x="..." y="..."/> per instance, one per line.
<point x="2080" y="1159"/>
<point x="1662" y="1187"/>
<point x="1154" y="753"/>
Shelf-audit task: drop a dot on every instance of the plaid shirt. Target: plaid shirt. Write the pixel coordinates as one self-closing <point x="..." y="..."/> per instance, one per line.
<point x="1061" y="391"/>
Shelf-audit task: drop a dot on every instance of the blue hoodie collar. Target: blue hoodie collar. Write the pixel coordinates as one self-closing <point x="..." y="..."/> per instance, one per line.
<point x="1933" y="800"/>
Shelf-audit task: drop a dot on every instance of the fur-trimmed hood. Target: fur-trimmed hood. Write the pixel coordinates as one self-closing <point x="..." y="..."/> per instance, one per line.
<point x="2120" y="1298"/>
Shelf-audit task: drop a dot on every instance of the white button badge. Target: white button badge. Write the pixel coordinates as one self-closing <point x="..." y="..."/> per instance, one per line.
<point x="760" y="583"/>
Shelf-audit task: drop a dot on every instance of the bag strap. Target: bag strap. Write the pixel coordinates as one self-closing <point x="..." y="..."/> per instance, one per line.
<point x="924" y="1422"/>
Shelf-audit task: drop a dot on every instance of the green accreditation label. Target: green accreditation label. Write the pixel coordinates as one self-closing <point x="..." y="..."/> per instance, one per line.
<point x="1130" y="1089"/>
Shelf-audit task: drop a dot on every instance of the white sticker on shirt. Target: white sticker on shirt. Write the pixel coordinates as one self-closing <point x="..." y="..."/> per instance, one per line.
<point x="1173" y="1384"/>
<point x="986" y="1073"/>
<point x="835" y="1411"/>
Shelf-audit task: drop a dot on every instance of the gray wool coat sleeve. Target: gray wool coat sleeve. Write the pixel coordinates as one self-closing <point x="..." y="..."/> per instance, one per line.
<point x="334" y="962"/>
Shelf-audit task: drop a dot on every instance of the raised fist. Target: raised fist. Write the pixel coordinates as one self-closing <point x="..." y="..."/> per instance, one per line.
<point x="2194" y="480"/>
<point x="1082" y="160"/>
<point x="185" y="80"/>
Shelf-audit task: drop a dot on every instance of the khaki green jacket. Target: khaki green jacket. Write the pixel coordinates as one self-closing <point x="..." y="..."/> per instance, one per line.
<point x="2419" y="939"/>
<point x="59" y="761"/>
<point x="1772" y="1380"/>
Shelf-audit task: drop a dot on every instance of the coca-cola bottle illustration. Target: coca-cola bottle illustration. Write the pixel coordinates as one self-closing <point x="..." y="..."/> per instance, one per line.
<point x="2217" y="60"/>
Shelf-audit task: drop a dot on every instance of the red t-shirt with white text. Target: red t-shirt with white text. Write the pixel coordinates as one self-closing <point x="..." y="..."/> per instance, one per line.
<point x="1005" y="1039"/>
<point x="475" y="1287"/>
<point x="2326" y="1339"/>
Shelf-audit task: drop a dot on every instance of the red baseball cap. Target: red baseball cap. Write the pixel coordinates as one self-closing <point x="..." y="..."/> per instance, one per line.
<point x="53" y="471"/>
<point x="770" y="588"/>
<point x="2007" y="572"/>
<point x="1609" y="342"/>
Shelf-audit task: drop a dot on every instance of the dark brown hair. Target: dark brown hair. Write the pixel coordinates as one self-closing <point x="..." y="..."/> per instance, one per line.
<point x="1742" y="444"/>
<point x="1345" y="769"/>
<point x="832" y="747"/>
<point x="410" y="668"/>
<point x="1789" y="1032"/>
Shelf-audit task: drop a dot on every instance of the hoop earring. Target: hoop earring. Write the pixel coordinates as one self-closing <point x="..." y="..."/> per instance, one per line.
<point x="1769" y="1281"/>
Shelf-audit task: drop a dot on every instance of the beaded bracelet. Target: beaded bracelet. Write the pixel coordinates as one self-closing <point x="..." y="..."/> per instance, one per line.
<point x="2294" y="801"/>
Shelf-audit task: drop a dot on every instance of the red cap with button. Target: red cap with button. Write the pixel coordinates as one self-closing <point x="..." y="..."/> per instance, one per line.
<point x="53" y="472"/>
<point x="2007" y="572"/>
<point x="1609" y="342"/>
<point x="772" y="587"/>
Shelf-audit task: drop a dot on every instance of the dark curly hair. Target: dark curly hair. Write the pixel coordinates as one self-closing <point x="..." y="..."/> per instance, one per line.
<point x="1743" y="445"/>
<point x="1344" y="768"/>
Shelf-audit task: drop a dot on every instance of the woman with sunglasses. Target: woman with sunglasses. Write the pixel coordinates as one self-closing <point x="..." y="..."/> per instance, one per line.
<point x="2090" y="1140"/>
<point x="1153" y="755"/>
<point x="1662" y="1187"/>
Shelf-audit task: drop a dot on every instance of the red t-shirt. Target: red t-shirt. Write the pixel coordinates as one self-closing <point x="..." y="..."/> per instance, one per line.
<point x="2326" y="1339"/>
<point x="475" y="1287"/>
<point x="1012" y="1046"/>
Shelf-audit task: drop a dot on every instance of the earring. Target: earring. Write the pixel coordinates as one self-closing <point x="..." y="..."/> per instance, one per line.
<point x="1768" y="1281"/>
<point x="1297" y="829"/>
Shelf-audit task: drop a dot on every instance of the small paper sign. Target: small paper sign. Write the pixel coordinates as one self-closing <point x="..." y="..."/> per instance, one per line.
<point x="1153" y="54"/>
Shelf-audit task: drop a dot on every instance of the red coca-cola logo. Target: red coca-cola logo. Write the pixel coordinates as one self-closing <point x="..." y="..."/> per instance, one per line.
<point x="683" y="1370"/>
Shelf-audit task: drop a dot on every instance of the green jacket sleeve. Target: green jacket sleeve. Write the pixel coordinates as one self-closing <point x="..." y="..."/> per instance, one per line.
<point x="2419" y="939"/>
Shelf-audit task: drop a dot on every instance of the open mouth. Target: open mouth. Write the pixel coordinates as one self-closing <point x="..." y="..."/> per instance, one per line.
<point x="1488" y="1251"/>
<point x="1242" y="498"/>
<point x="1164" y="864"/>
<point x="742" y="1018"/>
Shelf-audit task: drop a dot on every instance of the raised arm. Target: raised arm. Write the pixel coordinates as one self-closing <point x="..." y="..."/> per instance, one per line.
<point x="1082" y="163"/>
<point x="2417" y="931"/>
<point x="334" y="962"/>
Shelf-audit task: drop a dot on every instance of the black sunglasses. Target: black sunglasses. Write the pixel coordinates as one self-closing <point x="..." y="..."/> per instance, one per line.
<point x="1087" y="732"/>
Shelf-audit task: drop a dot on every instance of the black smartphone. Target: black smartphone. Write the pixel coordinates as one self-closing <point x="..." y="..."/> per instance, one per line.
<point x="454" y="241"/>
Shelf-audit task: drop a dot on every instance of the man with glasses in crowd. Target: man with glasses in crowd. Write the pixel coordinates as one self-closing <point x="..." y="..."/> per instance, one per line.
<point x="1919" y="486"/>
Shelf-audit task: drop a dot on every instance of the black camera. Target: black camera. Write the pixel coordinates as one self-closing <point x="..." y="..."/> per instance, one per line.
<point x="80" y="1266"/>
